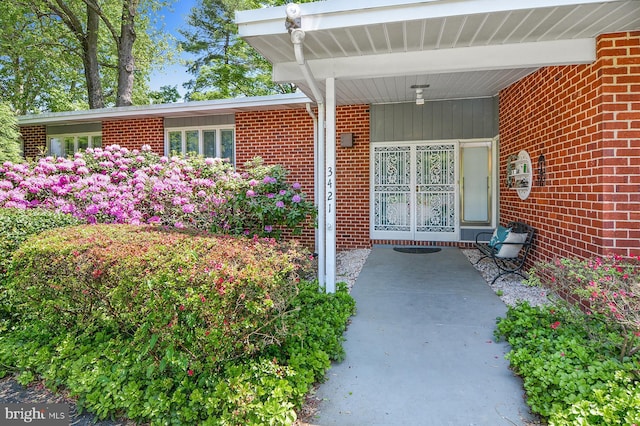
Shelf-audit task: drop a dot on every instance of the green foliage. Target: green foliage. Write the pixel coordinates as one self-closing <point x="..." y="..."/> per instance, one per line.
<point x="571" y="372"/>
<point x="9" y="135"/>
<point x="166" y="95"/>
<point x="15" y="227"/>
<point x="160" y="375"/>
<point x="607" y="289"/>
<point x="201" y="299"/>
<point x="265" y="204"/>
<point x="44" y="44"/>
<point x="226" y="66"/>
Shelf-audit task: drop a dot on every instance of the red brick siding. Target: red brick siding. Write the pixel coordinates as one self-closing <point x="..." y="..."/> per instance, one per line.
<point x="352" y="178"/>
<point x="584" y="119"/>
<point x="35" y="140"/>
<point x="135" y="133"/>
<point x="286" y="137"/>
<point x="282" y="137"/>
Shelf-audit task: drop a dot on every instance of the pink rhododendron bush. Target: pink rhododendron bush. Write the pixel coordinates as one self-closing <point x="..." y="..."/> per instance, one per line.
<point x="116" y="185"/>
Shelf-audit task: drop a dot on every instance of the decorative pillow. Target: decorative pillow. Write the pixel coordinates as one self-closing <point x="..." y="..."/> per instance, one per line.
<point x="499" y="235"/>
<point x="511" y="250"/>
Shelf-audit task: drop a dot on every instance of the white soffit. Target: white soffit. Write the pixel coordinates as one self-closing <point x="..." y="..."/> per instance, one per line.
<point x="371" y="42"/>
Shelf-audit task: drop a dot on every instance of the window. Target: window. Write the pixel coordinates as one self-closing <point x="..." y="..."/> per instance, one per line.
<point x="65" y="145"/>
<point x="214" y="142"/>
<point x="476" y="183"/>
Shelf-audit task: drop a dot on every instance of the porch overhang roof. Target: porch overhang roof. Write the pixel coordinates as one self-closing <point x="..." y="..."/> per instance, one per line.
<point x="186" y="109"/>
<point x="377" y="49"/>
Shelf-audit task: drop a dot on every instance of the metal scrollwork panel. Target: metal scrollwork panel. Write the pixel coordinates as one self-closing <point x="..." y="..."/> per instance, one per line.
<point x="392" y="178"/>
<point x="436" y="188"/>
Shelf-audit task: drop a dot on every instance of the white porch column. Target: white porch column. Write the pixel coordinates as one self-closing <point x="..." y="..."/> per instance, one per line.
<point x="330" y="186"/>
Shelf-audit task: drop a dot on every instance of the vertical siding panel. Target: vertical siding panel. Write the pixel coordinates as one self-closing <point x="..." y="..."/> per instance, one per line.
<point x="417" y="112"/>
<point x="388" y="122"/>
<point x="452" y="119"/>
<point x="407" y="125"/>
<point x="398" y="122"/>
<point x="378" y="117"/>
<point x="430" y="110"/>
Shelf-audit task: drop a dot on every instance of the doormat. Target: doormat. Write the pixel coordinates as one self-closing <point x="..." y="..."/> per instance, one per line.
<point x="417" y="250"/>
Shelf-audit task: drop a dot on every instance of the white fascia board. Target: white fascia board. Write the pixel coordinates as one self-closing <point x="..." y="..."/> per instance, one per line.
<point x="222" y="106"/>
<point x="336" y="14"/>
<point x="477" y="58"/>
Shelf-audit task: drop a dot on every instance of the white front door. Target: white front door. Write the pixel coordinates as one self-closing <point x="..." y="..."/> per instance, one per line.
<point x="415" y="191"/>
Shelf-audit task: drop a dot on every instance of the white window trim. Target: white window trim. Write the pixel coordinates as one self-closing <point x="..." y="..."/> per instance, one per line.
<point x="75" y="137"/>
<point x="200" y="130"/>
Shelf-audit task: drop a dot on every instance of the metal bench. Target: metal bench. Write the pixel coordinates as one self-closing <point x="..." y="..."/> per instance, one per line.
<point x="507" y="263"/>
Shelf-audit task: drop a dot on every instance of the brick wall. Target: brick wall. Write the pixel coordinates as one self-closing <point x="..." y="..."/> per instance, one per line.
<point x="585" y="120"/>
<point x="286" y="137"/>
<point x="352" y="178"/>
<point x="280" y="137"/>
<point x="134" y="133"/>
<point x="35" y="140"/>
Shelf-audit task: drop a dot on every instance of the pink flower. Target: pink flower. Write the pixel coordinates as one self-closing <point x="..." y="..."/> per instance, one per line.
<point x="296" y="185"/>
<point x="296" y="198"/>
<point x="190" y="372"/>
<point x="279" y="204"/>
<point x="555" y="325"/>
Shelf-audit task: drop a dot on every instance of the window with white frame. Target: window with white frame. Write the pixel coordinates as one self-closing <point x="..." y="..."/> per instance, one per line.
<point x="214" y="142"/>
<point x="65" y="145"/>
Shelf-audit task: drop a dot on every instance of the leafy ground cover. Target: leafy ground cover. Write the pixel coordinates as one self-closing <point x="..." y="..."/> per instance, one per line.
<point x="169" y="327"/>
<point x="579" y="360"/>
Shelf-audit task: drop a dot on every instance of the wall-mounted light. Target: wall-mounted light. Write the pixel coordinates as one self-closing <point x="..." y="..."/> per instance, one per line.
<point x="294" y="14"/>
<point x="346" y="140"/>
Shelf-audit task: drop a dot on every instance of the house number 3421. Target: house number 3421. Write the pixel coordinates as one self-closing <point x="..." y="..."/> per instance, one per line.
<point x="329" y="188"/>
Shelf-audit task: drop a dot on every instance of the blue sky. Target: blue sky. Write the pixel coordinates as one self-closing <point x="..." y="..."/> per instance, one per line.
<point x="174" y="19"/>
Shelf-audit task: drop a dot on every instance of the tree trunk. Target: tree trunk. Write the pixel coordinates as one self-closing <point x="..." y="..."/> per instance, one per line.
<point x="126" y="61"/>
<point x="90" y="60"/>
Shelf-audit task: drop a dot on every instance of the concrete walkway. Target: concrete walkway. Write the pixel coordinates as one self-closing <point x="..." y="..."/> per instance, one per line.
<point x="420" y="350"/>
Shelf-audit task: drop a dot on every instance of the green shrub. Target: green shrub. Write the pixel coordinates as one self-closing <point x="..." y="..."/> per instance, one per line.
<point x="16" y="225"/>
<point x="571" y="372"/>
<point x="110" y="374"/>
<point x="195" y="300"/>
<point x="607" y="289"/>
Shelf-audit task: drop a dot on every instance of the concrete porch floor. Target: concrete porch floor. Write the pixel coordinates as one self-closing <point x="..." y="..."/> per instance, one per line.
<point x="420" y="349"/>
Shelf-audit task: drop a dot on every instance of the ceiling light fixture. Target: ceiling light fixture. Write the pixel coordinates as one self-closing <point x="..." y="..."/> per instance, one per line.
<point x="419" y="89"/>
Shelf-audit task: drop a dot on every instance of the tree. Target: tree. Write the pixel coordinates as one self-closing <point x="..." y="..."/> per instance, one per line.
<point x="108" y="42"/>
<point x="38" y="67"/>
<point x="166" y="95"/>
<point x="226" y="66"/>
<point x="9" y="135"/>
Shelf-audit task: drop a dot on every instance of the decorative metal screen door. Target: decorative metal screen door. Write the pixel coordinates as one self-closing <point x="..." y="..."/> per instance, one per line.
<point x="414" y="194"/>
<point x="391" y="199"/>
<point x="436" y="192"/>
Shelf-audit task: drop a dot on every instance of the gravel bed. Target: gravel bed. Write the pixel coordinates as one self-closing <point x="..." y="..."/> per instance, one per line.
<point x="349" y="264"/>
<point x="510" y="287"/>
